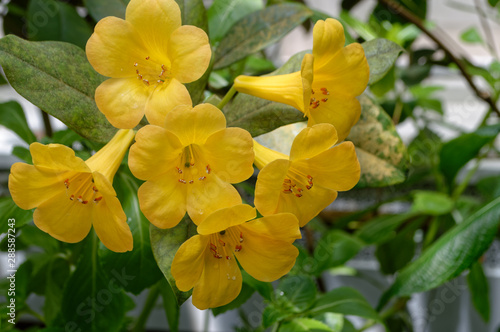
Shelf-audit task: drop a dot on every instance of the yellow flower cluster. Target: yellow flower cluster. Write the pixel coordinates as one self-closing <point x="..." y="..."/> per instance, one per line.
<point x="189" y="159"/>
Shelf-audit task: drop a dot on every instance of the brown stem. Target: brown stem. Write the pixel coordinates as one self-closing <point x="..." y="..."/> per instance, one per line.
<point x="410" y="17"/>
<point x="47" y="125"/>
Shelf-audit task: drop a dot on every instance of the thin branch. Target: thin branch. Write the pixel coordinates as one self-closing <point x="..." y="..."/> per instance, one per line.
<point x="490" y="40"/>
<point x="397" y="9"/>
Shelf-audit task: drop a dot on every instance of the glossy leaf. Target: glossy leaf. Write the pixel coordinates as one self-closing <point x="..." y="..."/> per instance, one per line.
<point x="12" y="116"/>
<point x="304" y="325"/>
<point x="451" y="254"/>
<point x="298" y="290"/>
<point x="222" y="14"/>
<point x="479" y="289"/>
<point x="193" y="13"/>
<point x="58" y="21"/>
<point x="344" y="300"/>
<point x="9" y="210"/>
<point x="140" y="261"/>
<point x="381" y="229"/>
<point x="431" y="202"/>
<point x="99" y="9"/>
<point x="334" y="249"/>
<point x="260" y="116"/>
<point x="379" y="148"/>
<point x="256" y="31"/>
<point x="65" y="90"/>
<point x="93" y="299"/>
<point x="457" y="152"/>
<point x="381" y="55"/>
<point x="165" y="243"/>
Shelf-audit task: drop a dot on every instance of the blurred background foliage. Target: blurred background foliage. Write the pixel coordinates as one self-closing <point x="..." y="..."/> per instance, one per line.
<point x="427" y="209"/>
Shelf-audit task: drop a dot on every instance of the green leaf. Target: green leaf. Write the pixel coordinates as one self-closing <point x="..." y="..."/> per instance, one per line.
<point x="457" y="152"/>
<point x="362" y="29"/>
<point x="57" y="273"/>
<point x="12" y="116"/>
<point x="304" y="325"/>
<point x="65" y="90"/>
<point x="489" y="187"/>
<point x="258" y="30"/>
<point x="335" y="249"/>
<point x="99" y="9"/>
<point x="381" y="55"/>
<point x="33" y="236"/>
<point x="381" y="229"/>
<point x="398" y="251"/>
<point x="265" y="289"/>
<point x="334" y="321"/>
<point x="493" y="3"/>
<point x="222" y="14"/>
<point x="139" y="262"/>
<point x="93" y="300"/>
<point x="170" y="305"/>
<point x="431" y="202"/>
<point x="385" y="84"/>
<point x="472" y="36"/>
<point x="381" y="152"/>
<point x="479" y="289"/>
<point x="451" y="254"/>
<point x="165" y="243"/>
<point x="22" y="153"/>
<point x="193" y="13"/>
<point x="344" y="300"/>
<point x="56" y="20"/>
<point x="260" y="116"/>
<point x="297" y="290"/>
<point x="9" y="210"/>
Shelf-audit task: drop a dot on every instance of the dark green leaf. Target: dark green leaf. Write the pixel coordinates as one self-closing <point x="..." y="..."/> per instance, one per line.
<point x="193" y="13"/>
<point x="165" y="243"/>
<point x="457" y="152"/>
<point x="348" y="327"/>
<point x="57" y="77"/>
<point x="472" y="36"/>
<point x="479" y="289"/>
<point x="58" y="21"/>
<point x="334" y="249"/>
<point x="451" y="254"/>
<point x="222" y="14"/>
<point x="493" y="3"/>
<point x="93" y="300"/>
<point x="33" y="236"/>
<point x="385" y="84"/>
<point x="380" y="150"/>
<point x="21" y="280"/>
<point x="394" y="254"/>
<point x="344" y="300"/>
<point x="57" y="273"/>
<point x="139" y="262"/>
<point x="381" y="55"/>
<point x="99" y="9"/>
<point x="489" y="187"/>
<point x="172" y="310"/>
<point x="298" y="290"/>
<point x="260" y="116"/>
<point x="258" y="30"/>
<point x="381" y="229"/>
<point x="9" y="210"/>
<point x="304" y="325"/>
<point x="12" y="116"/>
<point x="22" y="153"/>
<point x="265" y="289"/>
<point x="431" y="202"/>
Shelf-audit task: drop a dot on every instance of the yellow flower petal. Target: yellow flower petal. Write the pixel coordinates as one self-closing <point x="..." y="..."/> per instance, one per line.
<point x="209" y="195"/>
<point x="103" y="184"/>
<point x="228" y="217"/>
<point x="163" y="201"/>
<point x="346" y="73"/>
<point x="56" y="157"/>
<point x="114" y="47"/>
<point x="63" y="219"/>
<point x="188" y="264"/>
<point x="264" y="155"/>
<point x="164" y="99"/>
<point x="108" y="159"/>
<point x="269" y="186"/>
<point x="311" y="141"/>
<point x="341" y="112"/>
<point x="267" y="252"/>
<point x="122" y="100"/>
<point x="154" y="20"/>
<point x="230" y="155"/>
<point x="189" y="52"/>
<point x="328" y="39"/>
<point x="110" y="224"/>
<point x="219" y="284"/>
<point x="31" y="186"/>
<point x="196" y="125"/>
<point x="337" y="168"/>
<point x="154" y="152"/>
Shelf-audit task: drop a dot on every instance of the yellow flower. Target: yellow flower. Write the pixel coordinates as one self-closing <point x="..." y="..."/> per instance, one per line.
<point x="71" y="195"/>
<point x="262" y="246"/>
<point x="325" y="89"/>
<point x="148" y="55"/>
<point x="189" y="165"/>
<point x="308" y="181"/>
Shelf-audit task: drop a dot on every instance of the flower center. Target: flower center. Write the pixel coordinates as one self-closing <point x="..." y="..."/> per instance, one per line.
<point x="152" y="73"/>
<point x="222" y="242"/>
<point x="295" y="182"/>
<point x="81" y="189"/>
<point x="317" y="97"/>
<point x="191" y="167"/>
